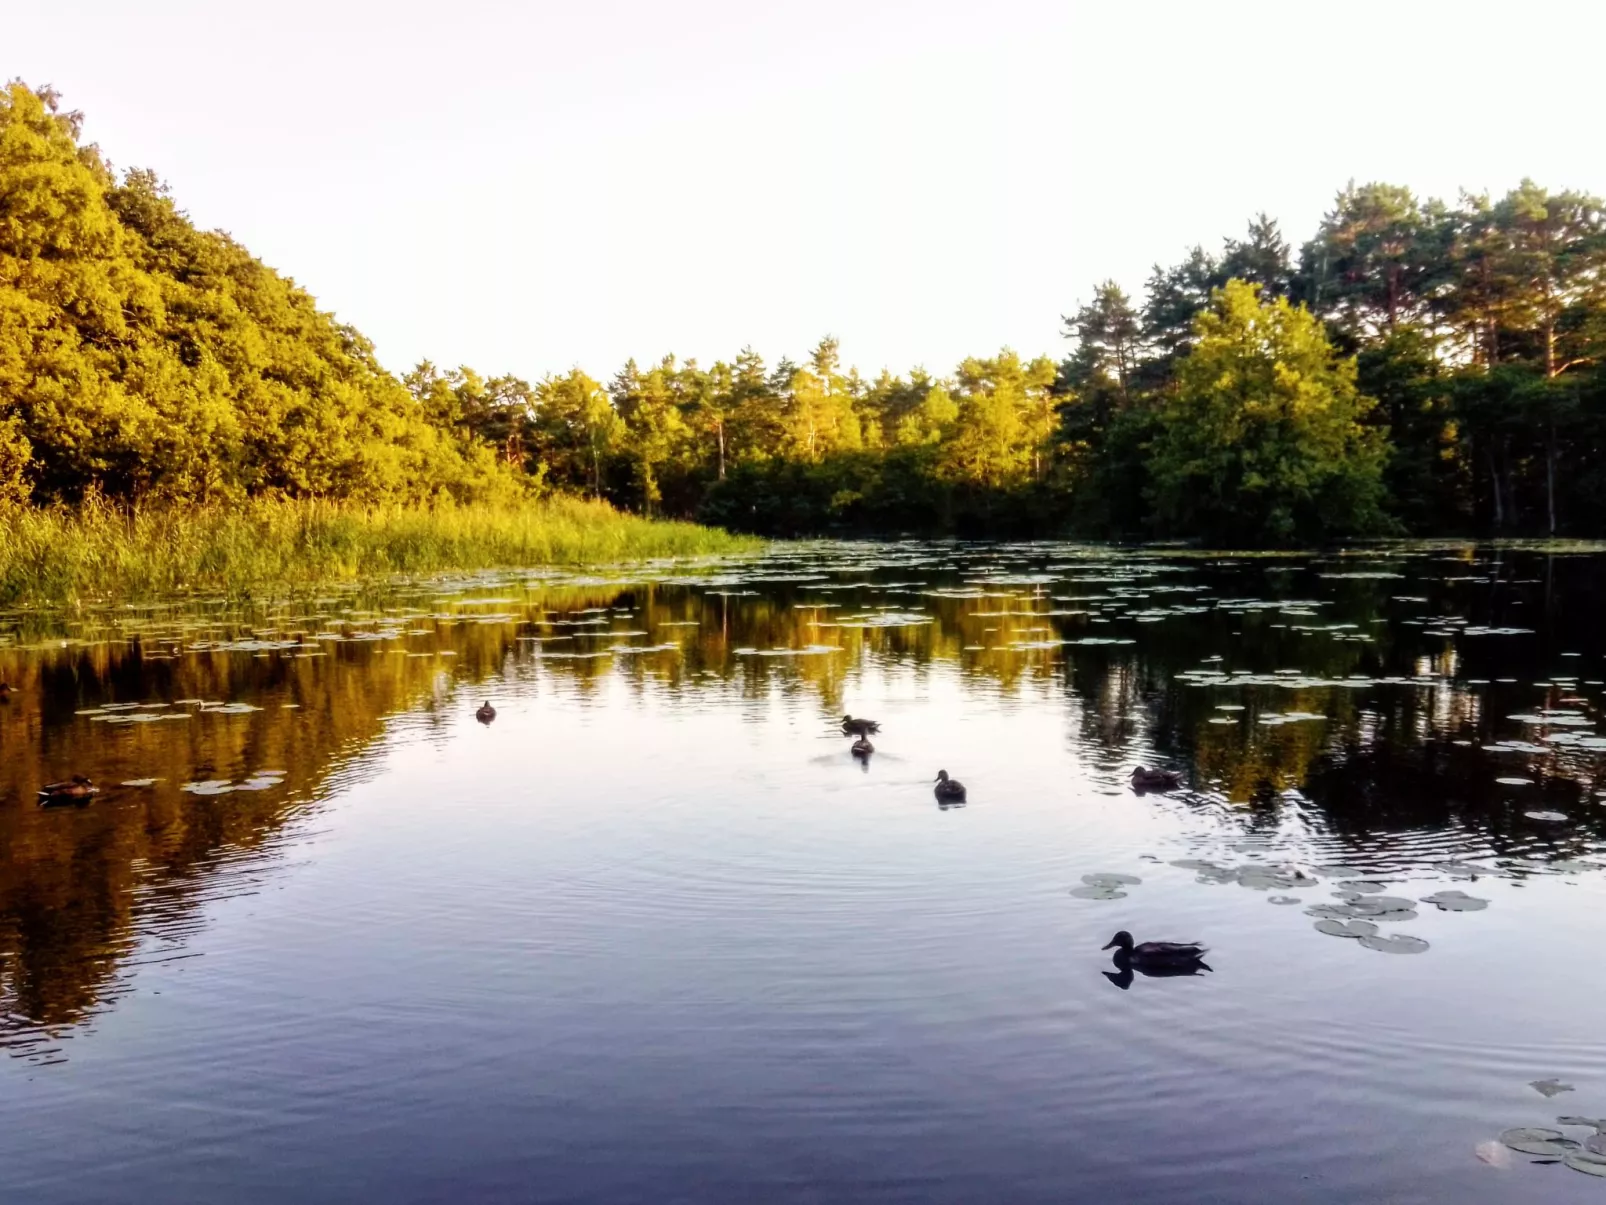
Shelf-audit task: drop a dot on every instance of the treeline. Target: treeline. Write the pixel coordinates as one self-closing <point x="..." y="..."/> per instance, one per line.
<point x="1416" y="366"/>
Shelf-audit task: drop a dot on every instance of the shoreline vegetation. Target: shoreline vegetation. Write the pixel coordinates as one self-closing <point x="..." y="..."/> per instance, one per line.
<point x="1415" y="368"/>
<point x="103" y="553"/>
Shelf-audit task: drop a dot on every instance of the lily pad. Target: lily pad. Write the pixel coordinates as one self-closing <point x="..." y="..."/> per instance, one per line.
<point x="1532" y="1141"/>
<point x="1098" y="893"/>
<point x="1594" y="1123"/>
<point x="207" y="788"/>
<point x="1281" y="899"/>
<point x="1550" y="1087"/>
<point x="1331" y="911"/>
<point x="1260" y="878"/>
<point x="1111" y="880"/>
<point x="1551" y="816"/>
<point x="1455" y="901"/>
<point x="1397" y="943"/>
<point x="1371" y="905"/>
<point x="1355" y="928"/>
<point x="140" y="782"/>
<point x="1587" y="1162"/>
<point x="1362" y="886"/>
<point x="1392" y="916"/>
<point x="1195" y="864"/>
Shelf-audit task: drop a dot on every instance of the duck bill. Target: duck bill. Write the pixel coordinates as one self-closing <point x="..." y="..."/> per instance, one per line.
<point x="1111" y="946"/>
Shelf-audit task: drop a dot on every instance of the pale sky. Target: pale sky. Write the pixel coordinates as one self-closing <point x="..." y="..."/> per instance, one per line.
<point x="526" y="187"/>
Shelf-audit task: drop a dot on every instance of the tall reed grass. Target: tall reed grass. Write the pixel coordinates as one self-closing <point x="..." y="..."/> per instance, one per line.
<point x="100" y="552"/>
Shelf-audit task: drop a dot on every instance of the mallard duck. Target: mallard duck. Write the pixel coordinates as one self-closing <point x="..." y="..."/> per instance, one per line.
<point x="76" y="789"/>
<point x="486" y="713"/>
<point x="862" y="748"/>
<point x="949" y="790"/>
<point x="1154" y="953"/>
<point x="1144" y="779"/>
<point x="853" y="727"/>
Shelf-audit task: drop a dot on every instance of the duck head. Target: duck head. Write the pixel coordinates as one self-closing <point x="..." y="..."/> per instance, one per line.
<point x="1121" y="941"/>
<point x="942" y="775"/>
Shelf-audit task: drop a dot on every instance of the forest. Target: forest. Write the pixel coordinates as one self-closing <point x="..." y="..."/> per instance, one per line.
<point x="1417" y="366"/>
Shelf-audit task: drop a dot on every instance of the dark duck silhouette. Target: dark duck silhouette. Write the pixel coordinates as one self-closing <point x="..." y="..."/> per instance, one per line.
<point x="486" y="712"/>
<point x="1156" y="956"/>
<point x="949" y="790"/>
<point x="6" y="691"/>
<point x="853" y="727"/>
<point x="76" y="789"/>
<point x="862" y="748"/>
<point x="1144" y="779"/>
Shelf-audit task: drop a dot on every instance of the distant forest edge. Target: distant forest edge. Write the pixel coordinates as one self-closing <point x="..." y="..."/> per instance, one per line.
<point x="1417" y="367"/>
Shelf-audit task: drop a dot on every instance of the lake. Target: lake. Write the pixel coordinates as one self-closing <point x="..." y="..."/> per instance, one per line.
<point x="654" y="935"/>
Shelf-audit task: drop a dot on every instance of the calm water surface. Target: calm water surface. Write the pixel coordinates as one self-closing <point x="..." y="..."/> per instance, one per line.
<point x="653" y="935"/>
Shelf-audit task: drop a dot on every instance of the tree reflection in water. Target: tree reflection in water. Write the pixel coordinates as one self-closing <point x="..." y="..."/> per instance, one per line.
<point x="1145" y="652"/>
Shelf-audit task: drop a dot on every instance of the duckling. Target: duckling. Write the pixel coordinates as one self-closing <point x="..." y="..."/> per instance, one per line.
<point x="1154" y="953"/>
<point x="77" y="789"/>
<point x="853" y="727"/>
<point x="862" y="748"/>
<point x="486" y="713"/>
<point x="949" y="790"/>
<point x="1144" y="779"/>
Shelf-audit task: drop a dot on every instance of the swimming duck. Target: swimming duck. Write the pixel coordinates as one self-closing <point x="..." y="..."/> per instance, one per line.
<point x="76" y="789"/>
<point x="853" y="727"/>
<point x="5" y="691"/>
<point x="1144" y="779"/>
<point x="862" y="748"/>
<point x="949" y="790"/>
<point x="486" y="713"/>
<point x="1154" y="953"/>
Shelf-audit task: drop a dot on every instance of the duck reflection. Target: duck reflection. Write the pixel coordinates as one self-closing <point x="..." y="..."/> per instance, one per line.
<point x="1125" y="971"/>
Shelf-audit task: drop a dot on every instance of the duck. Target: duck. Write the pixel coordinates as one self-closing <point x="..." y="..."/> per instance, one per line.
<point x="486" y="713"/>
<point x="6" y="691"/>
<point x="77" y="789"/>
<point x="1144" y="779"/>
<point x="1154" y="953"/>
<point x="853" y="727"/>
<point x="949" y="790"/>
<point x="862" y="747"/>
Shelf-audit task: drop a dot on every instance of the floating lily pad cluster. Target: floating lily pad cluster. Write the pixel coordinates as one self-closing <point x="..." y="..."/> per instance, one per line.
<point x="1104" y="886"/>
<point x="1586" y="1155"/>
<point x="1254" y="876"/>
<point x="1455" y="901"/>
<point x="261" y="780"/>
<point x="1366" y="933"/>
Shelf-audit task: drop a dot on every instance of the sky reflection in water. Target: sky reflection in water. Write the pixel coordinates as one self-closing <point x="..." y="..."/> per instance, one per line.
<point x="654" y="935"/>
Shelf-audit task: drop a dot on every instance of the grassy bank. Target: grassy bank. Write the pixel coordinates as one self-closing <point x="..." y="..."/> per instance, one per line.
<point x="100" y="552"/>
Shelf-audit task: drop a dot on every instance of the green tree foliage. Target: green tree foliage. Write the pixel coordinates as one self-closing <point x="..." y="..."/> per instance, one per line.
<point x="142" y="358"/>
<point x="1439" y="365"/>
<point x="1263" y="440"/>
